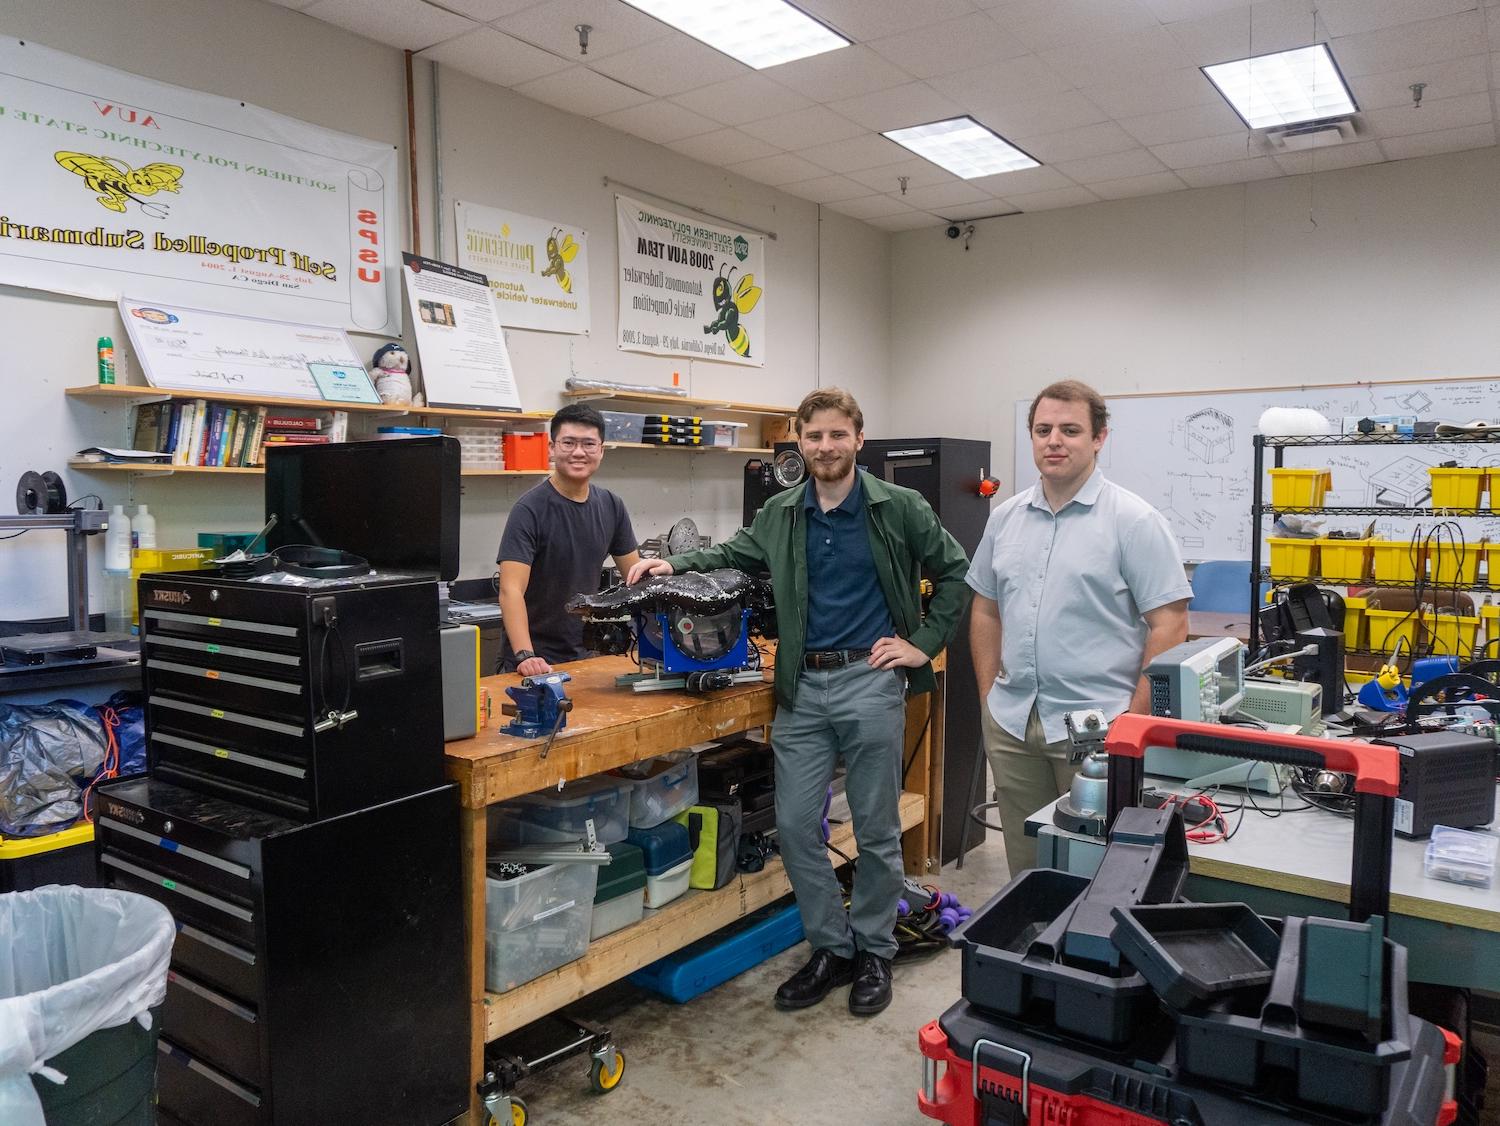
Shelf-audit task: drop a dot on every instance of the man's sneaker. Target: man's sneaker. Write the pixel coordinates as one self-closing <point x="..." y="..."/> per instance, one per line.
<point x="872" y="984"/>
<point x="811" y="983"/>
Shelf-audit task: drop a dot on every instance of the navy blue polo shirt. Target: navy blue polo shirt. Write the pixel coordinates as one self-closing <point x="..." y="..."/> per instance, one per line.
<point x="845" y="606"/>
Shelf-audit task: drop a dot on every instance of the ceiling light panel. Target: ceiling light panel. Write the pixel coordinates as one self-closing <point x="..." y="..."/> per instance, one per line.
<point x="964" y="147"/>
<point x="1285" y="88"/>
<point x="759" y="33"/>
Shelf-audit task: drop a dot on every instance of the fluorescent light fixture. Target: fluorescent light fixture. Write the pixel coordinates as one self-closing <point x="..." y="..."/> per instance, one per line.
<point x="962" y="146"/>
<point x="1286" y="88"/>
<point x="760" y="33"/>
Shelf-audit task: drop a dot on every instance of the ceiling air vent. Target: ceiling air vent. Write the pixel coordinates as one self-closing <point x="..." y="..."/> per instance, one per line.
<point x="1312" y="135"/>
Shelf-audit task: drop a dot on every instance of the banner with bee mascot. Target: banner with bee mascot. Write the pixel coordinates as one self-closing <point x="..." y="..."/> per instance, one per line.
<point x="690" y="286"/>
<point x="538" y="268"/>
<point x="120" y="184"/>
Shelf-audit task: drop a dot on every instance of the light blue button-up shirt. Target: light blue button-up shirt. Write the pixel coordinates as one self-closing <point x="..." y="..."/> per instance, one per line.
<point x="1073" y="588"/>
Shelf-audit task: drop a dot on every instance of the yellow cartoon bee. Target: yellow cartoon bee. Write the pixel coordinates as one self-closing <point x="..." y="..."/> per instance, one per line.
<point x="730" y="308"/>
<point x="558" y="257"/>
<point x="116" y="181"/>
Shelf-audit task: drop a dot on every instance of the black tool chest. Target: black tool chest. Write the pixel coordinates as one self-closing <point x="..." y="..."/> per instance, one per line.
<point x="318" y="971"/>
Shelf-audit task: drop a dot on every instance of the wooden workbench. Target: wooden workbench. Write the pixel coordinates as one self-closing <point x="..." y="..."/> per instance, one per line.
<point x="610" y="727"/>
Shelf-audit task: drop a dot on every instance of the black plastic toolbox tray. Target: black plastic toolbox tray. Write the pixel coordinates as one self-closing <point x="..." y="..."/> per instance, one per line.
<point x="1331" y="1069"/>
<point x="1010" y="948"/>
<point x="1196" y="952"/>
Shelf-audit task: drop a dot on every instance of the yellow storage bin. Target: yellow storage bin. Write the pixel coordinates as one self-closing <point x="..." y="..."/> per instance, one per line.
<point x="1456" y="487"/>
<point x="1355" y="633"/>
<point x="148" y="560"/>
<point x="1299" y="488"/>
<point x="1490" y="616"/>
<point x="1454" y="564"/>
<point x="1387" y="627"/>
<point x="1396" y="561"/>
<point x="1292" y="557"/>
<point x="1451" y="634"/>
<point x="1492" y="555"/>
<point x="1343" y="561"/>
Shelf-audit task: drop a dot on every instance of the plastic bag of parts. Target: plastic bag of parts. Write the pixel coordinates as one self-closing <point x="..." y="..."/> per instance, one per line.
<point x="47" y="753"/>
<point x="130" y="730"/>
<point x="703" y="592"/>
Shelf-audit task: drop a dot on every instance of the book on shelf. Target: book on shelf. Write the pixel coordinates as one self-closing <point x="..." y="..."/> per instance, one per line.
<point x="298" y="440"/>
<point x="283" y="421"/>
<point x="201" y="432"/>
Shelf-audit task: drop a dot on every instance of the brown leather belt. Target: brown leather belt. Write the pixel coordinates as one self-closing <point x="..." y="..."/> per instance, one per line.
<point x="833" y="658"/>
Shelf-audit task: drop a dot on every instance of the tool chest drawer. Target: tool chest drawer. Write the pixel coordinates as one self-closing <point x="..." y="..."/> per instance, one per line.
<point x="194" y="1091"/>
<point x="215" y="1027"/>
<point x="225" y="965"/>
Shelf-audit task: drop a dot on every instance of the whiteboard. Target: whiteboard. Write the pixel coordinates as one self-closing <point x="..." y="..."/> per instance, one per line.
<point x="183" y="349"/>
<point x="1191" y="456"/>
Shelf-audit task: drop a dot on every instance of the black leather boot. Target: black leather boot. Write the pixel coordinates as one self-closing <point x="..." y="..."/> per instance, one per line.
<point x="871" y="992"/>
<point x="811" y="983"/>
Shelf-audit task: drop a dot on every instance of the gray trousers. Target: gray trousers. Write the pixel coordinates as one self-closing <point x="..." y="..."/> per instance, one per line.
<point x="856" y="713"/>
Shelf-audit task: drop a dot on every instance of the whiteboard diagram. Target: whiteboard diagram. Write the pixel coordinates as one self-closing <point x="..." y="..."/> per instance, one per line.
<point x="1192" y="456"/>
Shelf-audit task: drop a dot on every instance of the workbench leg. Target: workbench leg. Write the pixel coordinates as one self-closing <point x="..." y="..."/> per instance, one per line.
<point x="474" y="824"/>
<point x="924" y="776"/>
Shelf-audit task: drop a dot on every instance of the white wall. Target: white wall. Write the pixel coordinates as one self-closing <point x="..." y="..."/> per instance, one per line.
<point x="1385" y="272"/>
<point x="497" y="149"/>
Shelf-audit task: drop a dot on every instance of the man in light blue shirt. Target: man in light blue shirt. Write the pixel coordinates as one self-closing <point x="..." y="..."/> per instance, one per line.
<point x="1078" y="586"/>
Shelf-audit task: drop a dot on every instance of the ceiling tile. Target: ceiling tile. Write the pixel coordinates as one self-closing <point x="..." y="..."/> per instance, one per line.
<point x="1079" y="144"/>
<point x="1326" y="160"/>
<point x="408" y="24"/>
<point x="742" y="99"/>
<point x="1412" y="44"/>
<point x="827" y="189"/>
<point x="783" y="168"/>
<point x="803" y="128"/>
<point x="919" y="173"/>
<point x="294" y="5"/>
<point x="1052" y="114"/>
<point x="1273" y="25"/>
<point x="614" y="27"/>
<point x="1230" y="172"/>
<point x="869" y="151"/>
<point x="1468" y="75"/>
<point x="1154" y="93"/>
<point x="1022" y="181"/>
<point x="1171" y="11"/>
<point x="1134" y="186"/>
<point x="1045" y="24"/>
<point x="910" y="221"/>
<point x="1211" y="120"/>
<point x="1118" y="57"/>
<point x="485" y="10"/>
<point x="864" y="20"/>
<point x="670" y="66"/>
<point x="723" y="146"/>
<point x="1350" y="17"/>
<point x="658" y="121"/>
<point x="916" y="103"/>
<point x="1002" y="81"/>
<point x="1206" y="150"/>
<point x="1048" y="201"/>
<point x="1445" y="140"/>
<point x="1115" y="166"/>
<point x="1430" y="116"/>
<point x="845" y="73"/>
<point x="940" y="196"/>
<point x="579" y="90"/>
<point x="953" y="45"/>
<point x="870" y="207"/>
<point x="497" y="58"/>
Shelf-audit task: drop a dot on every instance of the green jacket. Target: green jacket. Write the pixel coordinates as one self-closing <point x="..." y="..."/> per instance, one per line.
<point x="905" y="539"/>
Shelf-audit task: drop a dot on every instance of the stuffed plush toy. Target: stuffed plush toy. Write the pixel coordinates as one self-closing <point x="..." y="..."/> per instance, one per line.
<point x="392" y="374"/>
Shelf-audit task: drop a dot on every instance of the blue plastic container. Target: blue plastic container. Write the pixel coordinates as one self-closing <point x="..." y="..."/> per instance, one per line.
<point x="700" y="966"/>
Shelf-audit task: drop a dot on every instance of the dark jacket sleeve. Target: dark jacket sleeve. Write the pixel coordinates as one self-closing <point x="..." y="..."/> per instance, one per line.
<point x="946" y="564"/>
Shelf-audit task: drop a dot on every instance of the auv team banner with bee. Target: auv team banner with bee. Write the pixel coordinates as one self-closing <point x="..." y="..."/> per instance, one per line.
<point x="538" y="269"/>
<point x="690" y="287"/>
<point x="120" y="184"/>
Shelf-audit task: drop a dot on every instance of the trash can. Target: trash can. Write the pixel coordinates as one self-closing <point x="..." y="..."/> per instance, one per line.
<point x="81" y="970"/>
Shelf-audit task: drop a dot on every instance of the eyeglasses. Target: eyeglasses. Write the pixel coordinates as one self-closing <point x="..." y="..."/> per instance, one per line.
<point x="587" y="445"/>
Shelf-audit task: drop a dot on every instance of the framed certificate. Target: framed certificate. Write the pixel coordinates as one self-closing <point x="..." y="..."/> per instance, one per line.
<point x="343" y="383"/>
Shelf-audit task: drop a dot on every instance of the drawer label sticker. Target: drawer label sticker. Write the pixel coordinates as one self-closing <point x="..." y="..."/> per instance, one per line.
<point x="217" y="713"/>
<point x="211" y="647"/>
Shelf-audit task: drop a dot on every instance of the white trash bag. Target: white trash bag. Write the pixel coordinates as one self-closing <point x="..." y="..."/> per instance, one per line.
<point x="73" y="960"/>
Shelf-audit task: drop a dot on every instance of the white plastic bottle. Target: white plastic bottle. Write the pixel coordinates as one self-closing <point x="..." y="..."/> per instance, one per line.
<point x="142" y="528"/>
<point x="117" y="572"/>
<point x="117" y="541"/>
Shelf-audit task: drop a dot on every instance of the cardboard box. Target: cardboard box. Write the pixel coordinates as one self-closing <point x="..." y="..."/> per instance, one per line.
<point x="778" y="428"/>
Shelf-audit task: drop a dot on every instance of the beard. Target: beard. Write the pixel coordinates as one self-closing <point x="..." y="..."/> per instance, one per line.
<point x="835" y="469"/>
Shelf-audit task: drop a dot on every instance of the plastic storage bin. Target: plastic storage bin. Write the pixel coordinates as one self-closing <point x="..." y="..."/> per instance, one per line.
<point x="1389" y="626"/>
<point x="1490" y="616"/>
<point x="1460" y="856"/>
<point x="668" y="854"/>
<point x="536" y="922"/>
<point x="1492" y="556"/>
<point x="620" y="897"/>
<point x="560" y="816"/>
<point x="622" y="426"/>
<point x="1195" y="952"/>
<point x="1356" y="631"/>
<point x="66" y="857"/>
<point x="1293" y="557"/>
<point x="709" y="962"/>
<point x="1452" y="635"/>
<point x="667" y="786"/>
<point x="480" y="447"/>
<point x="146" y="560"/>
<point x="1455" y="564"/>
<point x="1397" y="561"/>
<point x="1342" y="560"/>
<point x="524" y="451"/>
<point x="1456" y="487"/>
<point x="1300" y="488"/>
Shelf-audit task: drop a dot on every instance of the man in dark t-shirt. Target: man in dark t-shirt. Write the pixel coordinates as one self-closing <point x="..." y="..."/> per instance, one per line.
<point x="554" y="544"/>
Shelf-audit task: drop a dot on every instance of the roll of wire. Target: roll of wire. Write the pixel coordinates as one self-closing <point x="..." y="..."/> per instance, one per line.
<point x="40" y="494"/>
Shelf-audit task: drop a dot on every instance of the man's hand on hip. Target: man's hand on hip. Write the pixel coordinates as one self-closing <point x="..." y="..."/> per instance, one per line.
<point x="897" y="653"/>
<point x="646" y="568"/>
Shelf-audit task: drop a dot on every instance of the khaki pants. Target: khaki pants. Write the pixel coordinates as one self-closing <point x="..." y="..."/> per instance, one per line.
<point x="1028" y="774"/>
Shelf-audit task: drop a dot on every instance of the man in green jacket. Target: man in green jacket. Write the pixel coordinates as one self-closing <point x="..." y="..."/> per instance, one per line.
<point x="846" y="555"/>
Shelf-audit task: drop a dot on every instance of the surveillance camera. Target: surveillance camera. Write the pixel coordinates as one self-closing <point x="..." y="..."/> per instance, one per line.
<point x="954" y="230"/>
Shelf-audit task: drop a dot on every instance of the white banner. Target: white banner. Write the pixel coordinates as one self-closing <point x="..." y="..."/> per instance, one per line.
<point x="120" y="184"/>
<point x="690" y="287"/>
<point x="538" y="269"/>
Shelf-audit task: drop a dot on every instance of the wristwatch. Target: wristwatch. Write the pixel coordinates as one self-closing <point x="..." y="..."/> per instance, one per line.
<point x="524" y="655"/>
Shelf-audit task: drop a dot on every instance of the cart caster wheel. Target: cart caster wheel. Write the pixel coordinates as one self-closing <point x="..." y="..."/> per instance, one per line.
<point x="517" y="1114"/>
<point x="605" y="1075"/>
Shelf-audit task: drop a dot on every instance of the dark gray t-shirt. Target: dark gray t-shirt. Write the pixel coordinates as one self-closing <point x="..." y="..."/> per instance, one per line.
<point x="564" y="542"/>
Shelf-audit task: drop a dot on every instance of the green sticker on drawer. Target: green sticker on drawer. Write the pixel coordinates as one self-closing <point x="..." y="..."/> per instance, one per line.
<point x="217" y="713"/>
<point x="170" y="885"/>
<point x="211" y="647"/>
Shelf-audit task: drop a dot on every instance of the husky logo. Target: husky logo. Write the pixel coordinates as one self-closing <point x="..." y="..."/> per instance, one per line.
<point x="124" y="813"/>
<point x="171" y="597"/>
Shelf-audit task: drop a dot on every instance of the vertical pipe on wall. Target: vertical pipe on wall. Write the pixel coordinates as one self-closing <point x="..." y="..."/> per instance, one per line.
<point x="411" y="160"/>
<point x="437" y="168"/>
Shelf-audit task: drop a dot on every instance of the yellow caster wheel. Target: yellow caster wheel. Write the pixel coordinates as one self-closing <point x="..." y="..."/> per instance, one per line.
<point x="517" y="1114"/>
<point x="606" y="1074"/>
